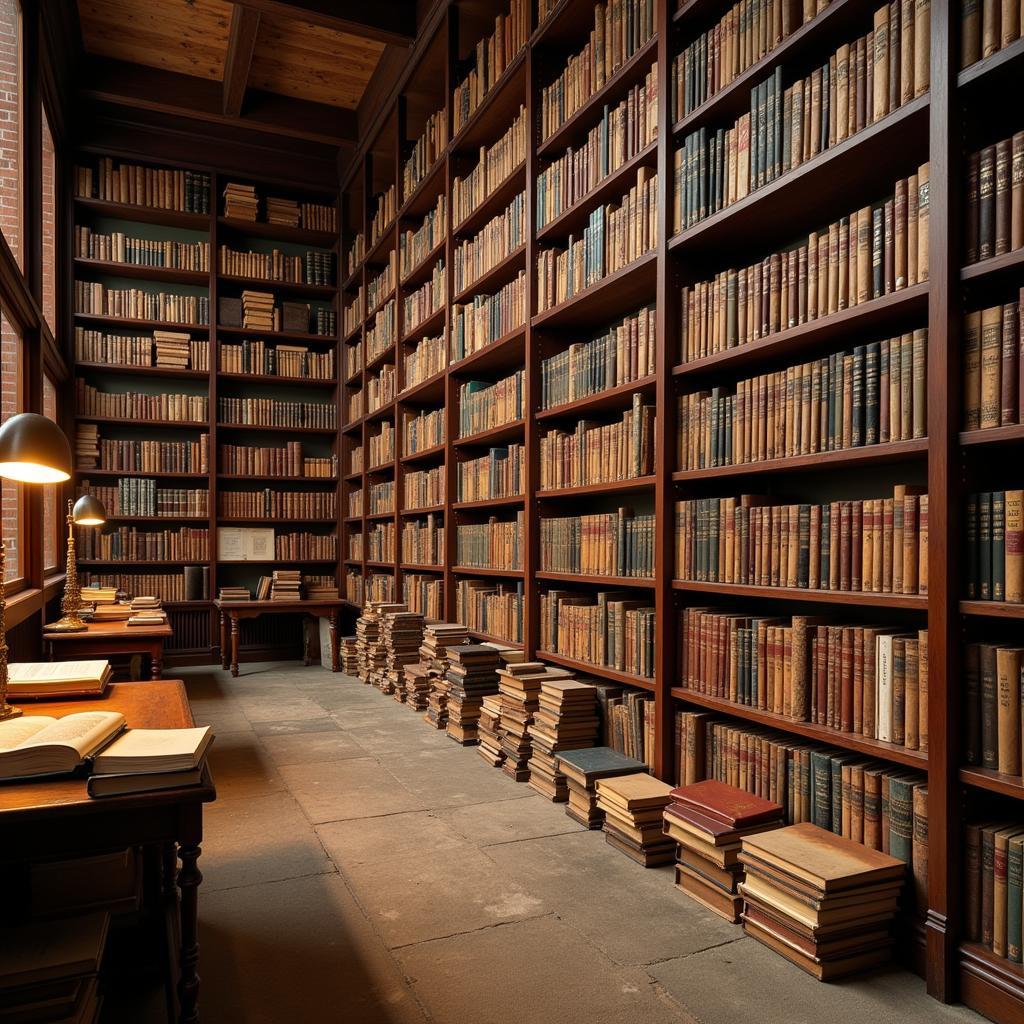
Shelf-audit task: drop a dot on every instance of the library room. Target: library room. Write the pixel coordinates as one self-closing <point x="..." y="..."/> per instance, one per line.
<point x="507" y="511"/>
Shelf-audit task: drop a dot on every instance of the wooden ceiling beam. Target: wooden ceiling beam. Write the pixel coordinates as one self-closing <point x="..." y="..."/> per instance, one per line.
<point x="143" y="88"/>
<point x="245" y="23"/>
<point x="391" y="22"/>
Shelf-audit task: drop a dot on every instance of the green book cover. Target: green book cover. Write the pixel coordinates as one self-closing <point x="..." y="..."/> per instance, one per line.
<point x="1014" y="878"/>
<point x="901" y="818"/>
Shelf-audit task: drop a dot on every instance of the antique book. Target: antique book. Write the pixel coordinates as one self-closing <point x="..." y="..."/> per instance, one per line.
<point x="57" y="679"/>
<point x="154" y="750"/>
<point x="39" y="745"/>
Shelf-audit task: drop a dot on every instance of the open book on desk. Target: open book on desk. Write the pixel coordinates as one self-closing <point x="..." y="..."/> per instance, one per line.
<point x="38" y="745"/>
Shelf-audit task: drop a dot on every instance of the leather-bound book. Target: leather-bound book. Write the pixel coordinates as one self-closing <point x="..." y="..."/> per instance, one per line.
<point x="726" y="804"/>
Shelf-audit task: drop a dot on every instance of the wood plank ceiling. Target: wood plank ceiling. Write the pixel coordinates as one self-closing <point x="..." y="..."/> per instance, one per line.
<point x="294" y="67"/>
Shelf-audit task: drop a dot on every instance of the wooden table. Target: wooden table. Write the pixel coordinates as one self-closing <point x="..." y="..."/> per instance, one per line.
<point x="231" y="612"/>
<point x="105" y="638"/>
<point x="55" y="819"/>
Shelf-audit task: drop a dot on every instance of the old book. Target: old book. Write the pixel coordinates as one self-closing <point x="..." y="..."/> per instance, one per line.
<point x="991" y="367"/>
<point x="154" y="750"/>
<point x="972" y="370"/>
<point x="39" y="745"/>
<point x="142" y="782"/>
<point x="1008" y="703"/>
<point x="1014" y="534"/>
<point x="57" y="679"/>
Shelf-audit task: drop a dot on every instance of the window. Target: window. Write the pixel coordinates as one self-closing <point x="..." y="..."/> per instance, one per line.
<point x="49" y="223"/>
<point x="12" y="401"/>
<point x="10" y="126"/>
<point x="52" y="523"/>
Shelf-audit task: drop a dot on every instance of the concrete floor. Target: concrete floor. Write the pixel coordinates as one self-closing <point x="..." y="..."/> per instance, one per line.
<point x="359" y="866"/>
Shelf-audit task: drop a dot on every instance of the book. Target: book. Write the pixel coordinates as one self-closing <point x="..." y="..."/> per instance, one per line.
<point x="153" y="750"/>
<point x="57" y="679"/>
<point x="40" y="745"/>
<point x="48" y="951"/>
<point x="99" y="786"/>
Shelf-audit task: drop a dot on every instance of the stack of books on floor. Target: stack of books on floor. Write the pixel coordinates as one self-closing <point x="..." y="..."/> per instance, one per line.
<point x="172" y="350"/>
<point x="437" y="639"/>
<point x="823" y="902"/>
<point x="49" y="969"/>
<point x="582" y="769"/>
<point x="235" y="594"/>
<point x="566" y="720"/>
<point x="282" y="211"/>
<point x="519" y="686"/>
<point x="370" y="640"/>
<point x="240" y="202"/>
<point x="402" y="635"/>
<point x="348" y="652"/>
<point x="633" y="806"/>
<point x="147" y="611"/>
<point x="472" y="675"/>
<point x="708" y="821"/>
<point x="286" y="585"/>
<point x="258" y="310"/>
<point x="417" y="685"/>
<point x="489" y="731"/>
<point x="87" y="446"/>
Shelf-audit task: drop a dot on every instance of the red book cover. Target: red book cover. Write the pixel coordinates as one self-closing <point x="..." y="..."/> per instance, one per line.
<point x="726" y="804"/>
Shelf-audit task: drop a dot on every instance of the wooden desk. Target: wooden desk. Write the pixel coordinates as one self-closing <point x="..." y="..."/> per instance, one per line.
<point x="231" y="612"/>
<point x="55" y="819"/>
<point x="104" y="638"/>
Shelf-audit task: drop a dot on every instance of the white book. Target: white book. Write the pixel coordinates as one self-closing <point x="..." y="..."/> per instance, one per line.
<point x="154" y="750"/>
<point x="883" y="680"/>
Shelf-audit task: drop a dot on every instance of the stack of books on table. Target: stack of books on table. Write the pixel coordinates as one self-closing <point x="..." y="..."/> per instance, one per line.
<point x="49" y="969"/>
<point x="348" y="652"/>
<point x="582" y="769"/>
<point x="633" y="806"/>
<point x="823" y="902"/>
<point x="282" y="211"/>
<point x="519" y="686"/>
<point x="286" y="585"/>
<point x="50" y="679"/>
<point x="472" y="675"/>
<point x="489" y="731"/>
<point x="321" y="592"/>
<point x="402" y="635"/>
<point x="438" y="638"/>
<point x="87" y="446"/>
<point x="258" y="310"/>
<point x="566" y="720"/>
<point x="173" y="349"/>
<point x="709" y="820"/>
<point x="416" y="685"/>
<point x="235" y="594"/>
<point x="111" y="613"/>
<point x="99" y="595"/>
<point x="145" y="760"/>
<point x="240" y="201"/>
<point x="147" y="611"/>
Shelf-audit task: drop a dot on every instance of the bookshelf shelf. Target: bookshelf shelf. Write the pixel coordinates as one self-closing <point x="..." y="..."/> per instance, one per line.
<point x="490" y="280"/>
<point x="386" y="410"/>
<point x="146" y="424"/>
<point x="991" y="75"/>
<point x="886" y="313"/>
<point x="423" y="196"/>
<point x="913" y="602"/>
<point x="491" y="638"/>
<point x="639" y="483"/>
<point x="641" y="582"/>
<point x="376" y="254"/>
<point x="149" y="561"/>
<point x="498" y="107"/>
<point x="824" y="734"/>
<point x="142" y="473"/>
<point x="380" y="515"/>
<point x="603" y="671"/>
<point x="994" y="436"/>
<point x="469" y="570"/>
<point x="248" y="332"/>
<point x="994" y="270"/>
<point x="143" y="214"/>
<point x="574" y="219"/>
<point x="407" y="513"/>
<point x="273" y="378"/>
<point x="427" y="391"/>
<point x="495" y="435"/>
<point x="493" y="203"/>
<point x="428" y="325"/>
<point x="263" y="519"/>
<point x="266" y="428"/>
<point x="575" y="128"/>
<point x="503" y="352"/>
<point x="111" y="268"/>
<point x="166" y="372"/>
<point x="993" y="781"/>
<point x="992" y="609"/>
<point x="103" y="320"/>
<point x="279" y="232"/>
<point x="353" y="426"/>
<point x="425" y="454"/>
<point x="300" y="479"/>
<point x="612" y="398"/>
<point x="485" y="503"/>
<point x="422" y="271"/>
<point x="414" y="567"/>
<point x="386" y="356"/>
<point x="874" y="454"/>
<point x="313" y="291"/>
<point x="169" y="520"/>
<point x="370" y="563"/>
<point x="381" y="303"/>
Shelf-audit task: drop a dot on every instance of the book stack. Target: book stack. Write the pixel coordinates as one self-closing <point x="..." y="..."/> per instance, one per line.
<point x="99" y="595"/>
<point x="111" y="613"/>
<point x="823" y="902"/>
<point x="417" y="685"/>
<point x="489" y="731"/>
<point x="321" y="591"/>
<point x="87" y="446"/>
<point x="633" y="806"/>
<point x="582" y="768"/>
<point x="49" y="969"/>
<point x="437" y="638"/>
<point x="240" y="202"/>
<point x="566" y="720"/>
<point x="56" y="679"/>
<point x="472" y="675"/>
<point x="709" y="820"/>
<point x="258" y="310"/>
<point x="147" y="611"/>
<point x="348" y="651"/>
<point x="286" y="585"/>
<point x="402" y="635"/>
<point x="282" y="211"/>
<point x="173" y="349"/>
<point x="370" y="640"/>
<point x="519" y="687"/>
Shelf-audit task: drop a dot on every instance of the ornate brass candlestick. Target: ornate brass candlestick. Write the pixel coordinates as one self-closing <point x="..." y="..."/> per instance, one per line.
<point x="6" y="710"/>
<point x="87" y="511"/>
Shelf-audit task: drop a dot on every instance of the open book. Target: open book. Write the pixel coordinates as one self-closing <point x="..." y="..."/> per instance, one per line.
<point x="57" y="678"/>
<point x="37" y="745"/>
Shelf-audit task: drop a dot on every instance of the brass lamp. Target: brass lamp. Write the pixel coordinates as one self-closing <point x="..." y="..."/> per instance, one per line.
<point x="33" y="450"/>
<point x="87" y="511"/>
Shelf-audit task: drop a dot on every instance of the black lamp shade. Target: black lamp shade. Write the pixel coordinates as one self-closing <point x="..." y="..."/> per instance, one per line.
<point x="89" y="511"/>
<point x="34" y="450"/>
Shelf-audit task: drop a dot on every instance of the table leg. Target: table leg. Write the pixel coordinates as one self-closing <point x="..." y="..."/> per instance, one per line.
<point x="156" y="660"/>
<point x="333" y="634"/>
<point x="223" y="640"/>
<point x="307" y="640"/>
<point x="189" y="877"/>
<point x="234" y="645"/>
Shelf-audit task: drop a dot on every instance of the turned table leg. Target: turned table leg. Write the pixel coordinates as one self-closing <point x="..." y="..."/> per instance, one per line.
<point x="156" y="660"/>
<point x="234" y="645"/>
<point x="333" y="635"/>
<point x="189" y="877"/>
<point x="223" y="640"/>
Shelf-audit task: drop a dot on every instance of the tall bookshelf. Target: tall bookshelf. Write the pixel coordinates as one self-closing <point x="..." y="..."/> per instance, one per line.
<point x="958" y="111"/>
<point x="193" y="620"/>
